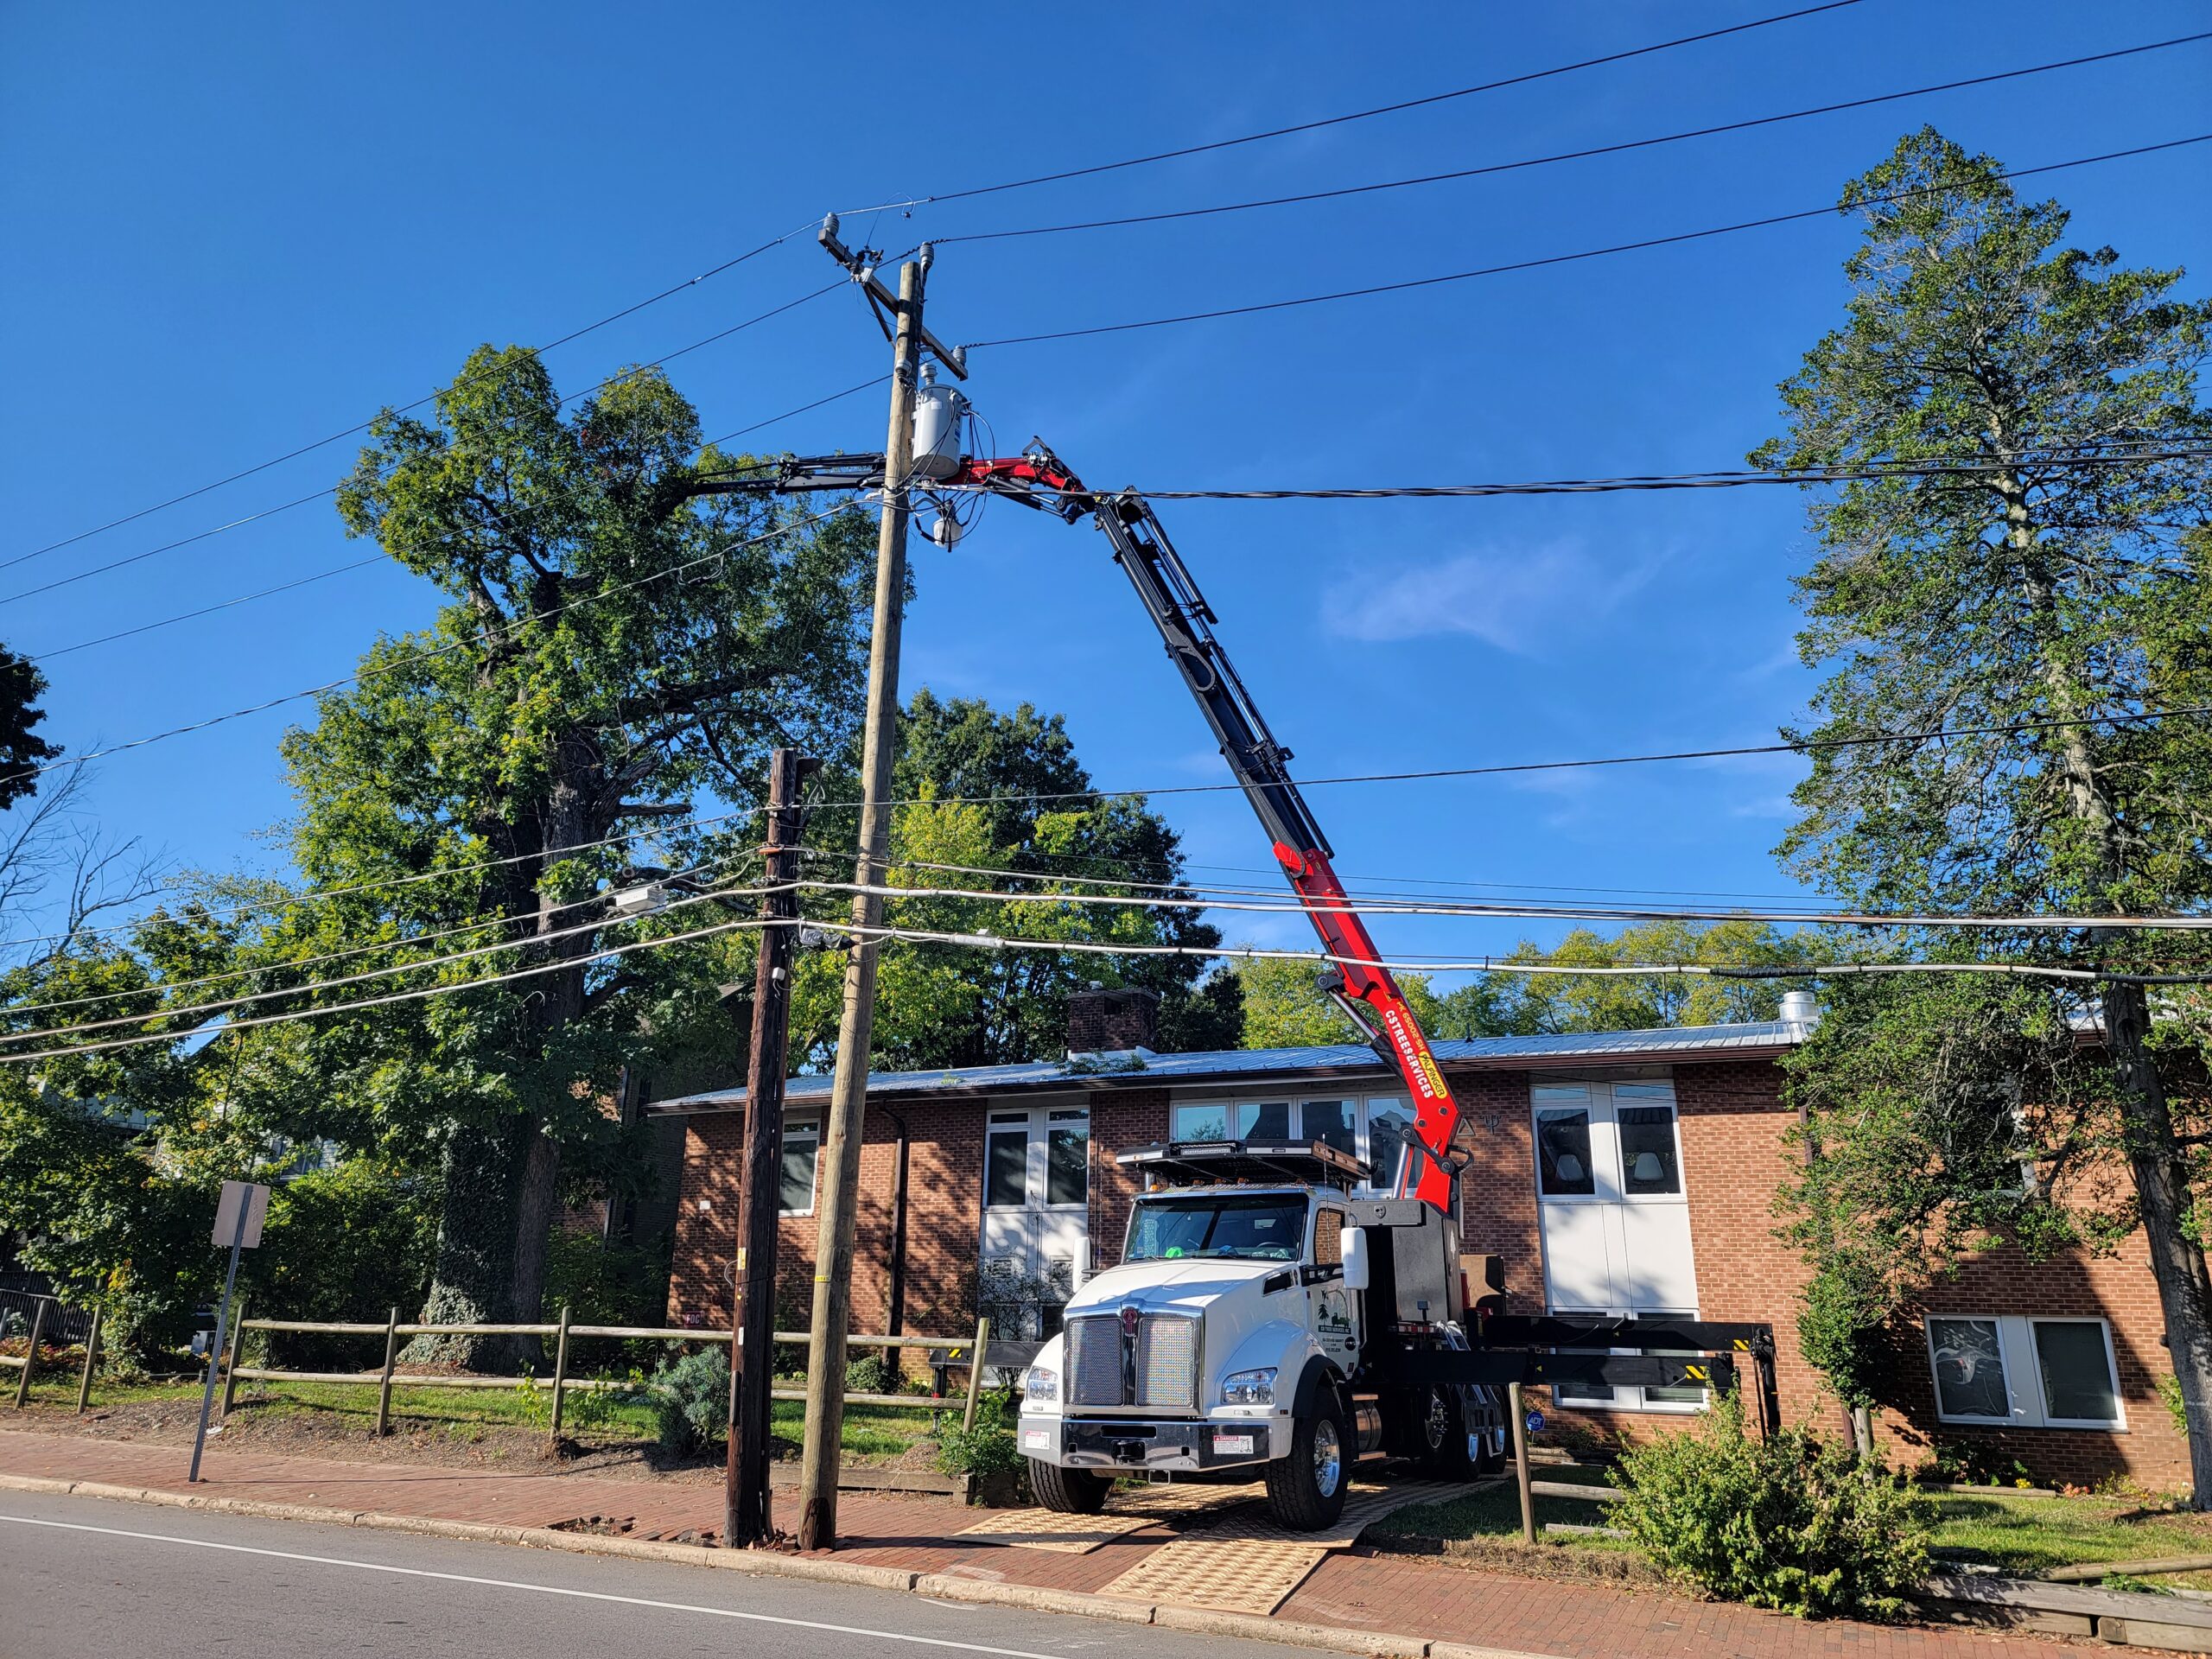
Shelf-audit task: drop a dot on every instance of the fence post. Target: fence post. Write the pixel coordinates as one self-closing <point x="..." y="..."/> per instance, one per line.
<point x="91" y="1359"/>
<point x="30" y="1353"/>
<point x="383" y="1383"/>
<point x="976" y="1372"/>
<point x="1518" y="1405"/>
<point x="231" y="1373"/>
<point x="559" y="1369"/>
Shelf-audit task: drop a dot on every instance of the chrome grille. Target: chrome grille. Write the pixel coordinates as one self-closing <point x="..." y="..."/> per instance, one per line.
<point x="1167" y="1361"/>
<point x="1094" y="1361"/>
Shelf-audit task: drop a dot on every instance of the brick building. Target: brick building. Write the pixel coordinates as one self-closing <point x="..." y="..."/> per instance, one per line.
<point x="1622" y="1173"/>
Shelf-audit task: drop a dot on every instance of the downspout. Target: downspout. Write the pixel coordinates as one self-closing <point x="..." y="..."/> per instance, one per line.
<point x="896" y="1314"/>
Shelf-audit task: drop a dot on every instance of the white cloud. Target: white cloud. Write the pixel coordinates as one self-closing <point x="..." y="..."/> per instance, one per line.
<point x="1519" y="600"/>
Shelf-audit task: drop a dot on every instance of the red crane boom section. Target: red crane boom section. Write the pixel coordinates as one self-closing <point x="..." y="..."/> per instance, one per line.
<point x="1362" y="985"/>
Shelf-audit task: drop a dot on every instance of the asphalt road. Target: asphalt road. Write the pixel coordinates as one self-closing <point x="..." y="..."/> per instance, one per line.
<point x="90" y="1578"/>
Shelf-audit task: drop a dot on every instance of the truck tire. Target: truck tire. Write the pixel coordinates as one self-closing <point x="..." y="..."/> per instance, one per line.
<point x="1068" y="1491"/>
<point x="1306" y="1490"/>
<point x="1441" y="1434"/>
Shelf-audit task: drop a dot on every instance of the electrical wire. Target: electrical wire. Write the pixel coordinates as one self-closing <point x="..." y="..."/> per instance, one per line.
<point x="1473" y="910"/>
<point x="419" y="995"/>
<point x="993" y="942"/>
<point x="349" y="953"/>
<point x="1802" y="477"/>
<point x="350" y="431"/>
<point x="1671" y="240"/>
<point x="209" y="610"/>
<point x="1296" y="128"/>
<point x="1804" y="746"/>
<point x="1620" y="148"/>
<point x="223" y="1005"/>
<point x="417" y="657"/>
<point x="343" y="569"/>
<point x="326" y="494"/>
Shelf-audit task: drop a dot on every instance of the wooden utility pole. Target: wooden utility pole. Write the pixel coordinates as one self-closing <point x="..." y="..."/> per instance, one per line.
<point x="840" y="1150"/>
<point x="752" y="1313"/>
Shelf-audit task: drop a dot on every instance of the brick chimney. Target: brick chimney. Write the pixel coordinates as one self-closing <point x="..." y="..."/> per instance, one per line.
<point x="1101" y="1021"/>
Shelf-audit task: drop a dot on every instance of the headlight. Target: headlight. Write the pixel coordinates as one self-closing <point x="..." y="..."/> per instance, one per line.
<point x="1037" y="1383"/>
<point x="1249" y="1388"/>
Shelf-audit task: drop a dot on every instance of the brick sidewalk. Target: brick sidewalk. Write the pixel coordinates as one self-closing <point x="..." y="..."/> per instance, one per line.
<point x="1352" y="1590"/>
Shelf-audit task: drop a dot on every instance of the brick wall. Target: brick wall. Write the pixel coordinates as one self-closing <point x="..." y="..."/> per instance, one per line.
<point x="2117" y="1288"/>
<point x="1498" y="1193"/>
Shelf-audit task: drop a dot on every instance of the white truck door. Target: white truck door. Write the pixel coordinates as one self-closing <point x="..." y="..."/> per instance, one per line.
<point x="1332" y="1308"/>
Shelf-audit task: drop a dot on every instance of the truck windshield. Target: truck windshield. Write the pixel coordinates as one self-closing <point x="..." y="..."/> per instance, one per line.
<point x="1265" y="1227"/>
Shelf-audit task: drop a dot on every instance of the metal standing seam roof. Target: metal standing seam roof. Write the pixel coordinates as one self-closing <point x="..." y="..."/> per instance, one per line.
<point x="1145" y="1071"/>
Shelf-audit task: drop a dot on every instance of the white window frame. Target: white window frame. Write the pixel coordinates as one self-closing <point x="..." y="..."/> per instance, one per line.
<point x="2017" y="1353"/>
<point x="810" y="1126"/>
<point x="1627" y="1396"/>
<point x="1609" y="1183"/>
<point x="1297" y="1099"/>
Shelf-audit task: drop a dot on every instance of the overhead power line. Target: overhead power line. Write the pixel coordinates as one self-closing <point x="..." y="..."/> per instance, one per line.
<point x="1804" y="746"/>
<point x="1432" y="98"/>
<point x="2136" y="455"/>
<point x="994" y="943"/>
<point x="1480" y="910"/>
<point x="959" y="196"/>
<point x="342" y="569"/>
<point x="418" y="656"/>
<point x="352" y="431"/>
<point x="1677" y="238"/>
<point x="1622" y="147"/>
<point x="332" y="490"/>
<point x="225" y="1004"/>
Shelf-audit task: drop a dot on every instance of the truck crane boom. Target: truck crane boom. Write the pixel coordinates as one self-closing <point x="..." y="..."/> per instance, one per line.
<point x="1356" y="977"/>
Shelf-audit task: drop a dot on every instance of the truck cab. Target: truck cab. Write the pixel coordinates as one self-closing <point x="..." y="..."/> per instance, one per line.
<point x="1234" y="1339"/>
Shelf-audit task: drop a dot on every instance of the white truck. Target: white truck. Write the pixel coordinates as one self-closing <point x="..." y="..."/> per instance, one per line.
<point x="1262" y="1320"/>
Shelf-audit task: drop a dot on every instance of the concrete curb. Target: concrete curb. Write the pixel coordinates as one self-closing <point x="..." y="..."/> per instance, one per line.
<point x="941" y="1586"/>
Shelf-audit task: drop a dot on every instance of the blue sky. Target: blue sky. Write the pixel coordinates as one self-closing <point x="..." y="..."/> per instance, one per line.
<point x="232" y="232"/>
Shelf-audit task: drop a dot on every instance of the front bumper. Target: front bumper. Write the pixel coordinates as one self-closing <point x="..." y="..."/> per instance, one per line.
<point x="1134" y="1444"/>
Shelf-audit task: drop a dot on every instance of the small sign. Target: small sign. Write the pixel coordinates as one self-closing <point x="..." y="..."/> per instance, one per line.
<point x="1536" y="1422"/>
<point x="1233" y="1446"/>
<point x="248" y="1198"/>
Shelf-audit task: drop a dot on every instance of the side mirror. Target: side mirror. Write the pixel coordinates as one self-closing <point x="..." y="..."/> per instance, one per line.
<point x="1356" y="1262"/>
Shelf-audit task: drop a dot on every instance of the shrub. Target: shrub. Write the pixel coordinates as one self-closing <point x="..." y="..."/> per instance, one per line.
<point x="872" y="1373"/>
<point x="989" y="1448"/>
<point x="1788" y="1524"/>
<point x="692" y="1402"/>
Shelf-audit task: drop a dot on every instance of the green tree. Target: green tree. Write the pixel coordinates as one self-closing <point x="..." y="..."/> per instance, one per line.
<point x="21" y="747"/>
<point x="613" y="653"/>
<point x="2035" y="602"/>
<point x="1284" y="1007"/>
<point x="998" y="803"/>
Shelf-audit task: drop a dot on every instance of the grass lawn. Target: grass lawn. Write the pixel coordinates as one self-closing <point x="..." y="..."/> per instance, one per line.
<point x="338" y="1409"/>
<point x="1495" y="1513"/>
<point x="2025" y="1536"/>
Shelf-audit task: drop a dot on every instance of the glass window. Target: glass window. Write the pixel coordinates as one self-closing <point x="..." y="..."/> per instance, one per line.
<point x="1330" y="1122"/>
<point x="1206" y="1122"/>
<point x="1006" y="1168"/>
<point x="802" y="1150"/>
<point x="2076" y="1370"/>
<point x="1969" y="1363"/>
<point x="1584" y="1394"/>
<point x="1265" y="1226"/>
<point x="1387" y="1121"/>
<point x="1263" y="1121"/>
<point x="1067" y="1158"/>
<point x="1563" y="1152"/>
<point x="1648" y="1156"/>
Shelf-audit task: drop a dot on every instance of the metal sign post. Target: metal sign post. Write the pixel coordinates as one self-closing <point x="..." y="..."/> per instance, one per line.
<point x="237" y="1224"/>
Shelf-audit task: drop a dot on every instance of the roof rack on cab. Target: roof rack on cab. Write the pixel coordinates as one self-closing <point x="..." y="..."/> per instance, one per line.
<point x="1214" y="1163"/>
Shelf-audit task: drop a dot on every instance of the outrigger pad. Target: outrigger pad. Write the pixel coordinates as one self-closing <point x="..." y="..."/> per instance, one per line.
<point x="1308" y="1163"/>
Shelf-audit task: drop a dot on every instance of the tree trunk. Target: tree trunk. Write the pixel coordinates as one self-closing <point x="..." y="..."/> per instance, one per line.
<point x="536" y="1202"/>
<point x="2162" y="1189"/>
<point x="469" y="1284"/>
<point x="2154" y="1154"/>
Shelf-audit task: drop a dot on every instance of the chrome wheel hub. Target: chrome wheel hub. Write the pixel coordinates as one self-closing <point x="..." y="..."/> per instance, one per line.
<point x="1328" y="1459"/>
